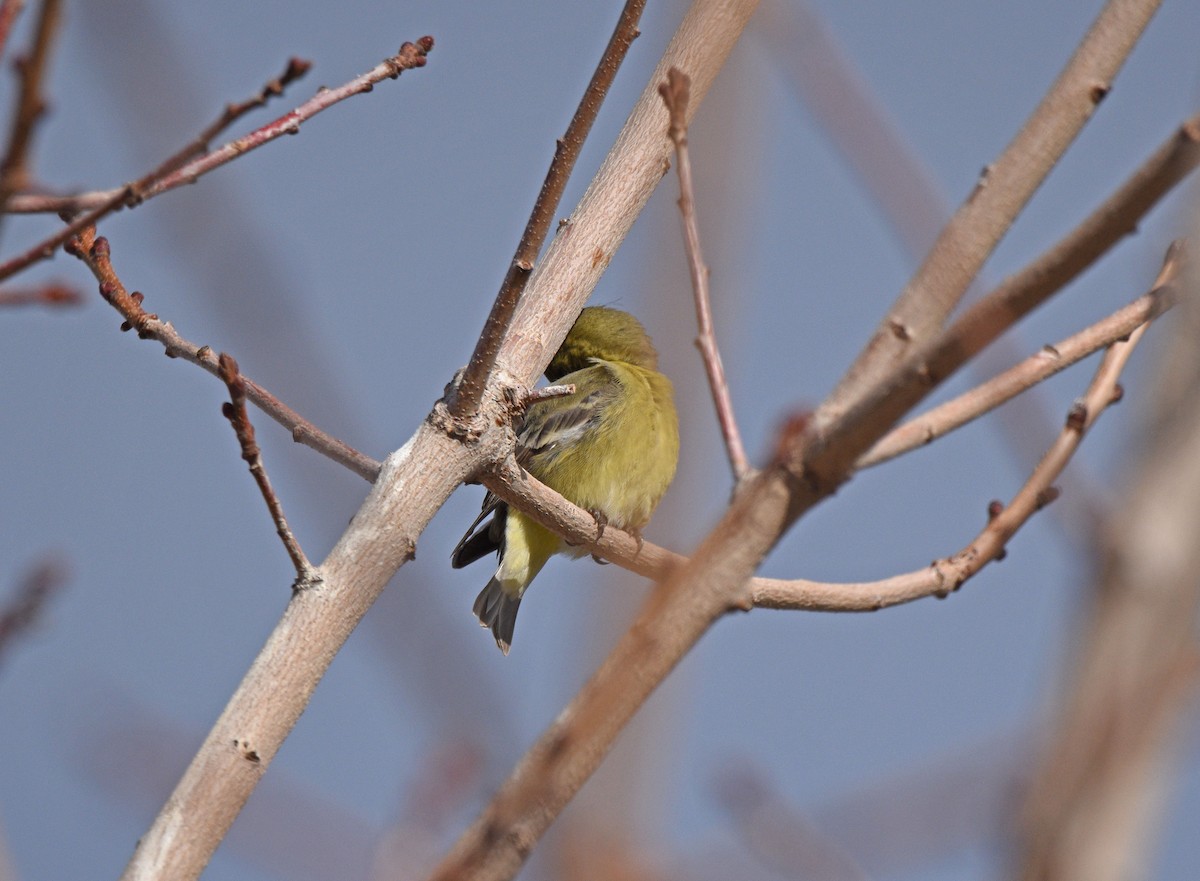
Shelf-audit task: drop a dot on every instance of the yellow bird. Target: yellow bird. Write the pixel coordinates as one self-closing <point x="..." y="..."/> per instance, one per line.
<point x="611" y="448"/>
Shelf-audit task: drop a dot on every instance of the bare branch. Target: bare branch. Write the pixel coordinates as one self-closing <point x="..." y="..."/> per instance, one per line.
<point x="101" y="204"/>
<point x="95" y="253"/>
<point x="675" y="91"/>
<point x="30" y="106"/>
<point x="1094" y="809"/>
<point x="296" y="69"/>
<point x="978" y="225"/>
<point x="466" y="399"/>
<point x="984" y="398"/>
<point x="235" y="411"/>
<point x="713" y="583"/>
<point x="416" y="480"/>
<point x="1111" y="221"/>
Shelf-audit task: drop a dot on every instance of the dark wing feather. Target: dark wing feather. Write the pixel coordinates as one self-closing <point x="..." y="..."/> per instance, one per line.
<point x="479" y="541"/>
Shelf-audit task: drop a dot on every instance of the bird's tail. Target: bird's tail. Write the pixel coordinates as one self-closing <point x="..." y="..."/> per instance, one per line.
<point x="497" y="609"/>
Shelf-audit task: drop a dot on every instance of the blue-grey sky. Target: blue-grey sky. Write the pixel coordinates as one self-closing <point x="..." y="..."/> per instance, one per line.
<point x="349" y="270"/>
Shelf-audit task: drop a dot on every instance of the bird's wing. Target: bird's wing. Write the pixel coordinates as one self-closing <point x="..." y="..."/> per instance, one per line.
<point x="547" y="431"/>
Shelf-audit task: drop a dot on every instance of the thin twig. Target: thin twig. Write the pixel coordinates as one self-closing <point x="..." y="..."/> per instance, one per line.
<point x="35" y="589"/>
<point x="235" y="411"/>
<point x="466" y="399"/>
<point x="53" y="294"/>
<point x="675" y="93"/>
<point x="987" y="396"/>
<point x="30" y="106"/>
<point x="9" y="10"/>
<point x="296" y="69"/>
<point x="100" y="204"/>
<point x="94" y="251"/>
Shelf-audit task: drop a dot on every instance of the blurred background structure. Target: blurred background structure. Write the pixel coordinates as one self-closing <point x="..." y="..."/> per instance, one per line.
<point x="349" y="270"/>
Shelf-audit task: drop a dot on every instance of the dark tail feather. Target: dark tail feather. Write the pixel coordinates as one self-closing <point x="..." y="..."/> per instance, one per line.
<point x="498" y="610"/>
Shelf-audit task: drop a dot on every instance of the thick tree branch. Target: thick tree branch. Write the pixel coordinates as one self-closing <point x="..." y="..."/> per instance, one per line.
<point x="977" y="227"/>
<point x="416" y="480"/>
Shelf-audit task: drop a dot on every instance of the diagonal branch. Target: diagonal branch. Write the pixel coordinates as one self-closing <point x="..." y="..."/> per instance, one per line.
<point x="675" y="92"/>
<point x="30" y="105"/>
<point x="9" y="10"/>
<point x="170" y="175"/>
<point x="416" y="480"/>
<point x="94" y="251"/>
<point x="234" y="410"/>
<point x="1000" y="194"/>
<point x="987" y="396"/>
<point x="467" y="398"/>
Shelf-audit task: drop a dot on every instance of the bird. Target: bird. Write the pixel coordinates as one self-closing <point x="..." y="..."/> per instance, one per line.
<point x="611" y="448"/>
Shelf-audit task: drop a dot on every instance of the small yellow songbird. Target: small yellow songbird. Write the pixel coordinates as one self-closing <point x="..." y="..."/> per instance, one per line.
<point x="611" y="448"/>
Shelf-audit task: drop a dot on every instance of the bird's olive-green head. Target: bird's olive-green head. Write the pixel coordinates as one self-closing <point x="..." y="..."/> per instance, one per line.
<point x="604" y="333"/>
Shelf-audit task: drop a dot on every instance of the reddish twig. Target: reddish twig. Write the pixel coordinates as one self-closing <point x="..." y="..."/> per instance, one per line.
<point x="235" y="411"/>
<point x="30" y="106"/>
<point x="52" y="294"/>
<point x="9" y="10"/>
<point x="93" y="250"/>
<point x="296" y="68"/>
<point x="35" y="589"/>
<point x="167" y="177"/>
<point x="466" y="399"/>
<point x="675" y="94"/>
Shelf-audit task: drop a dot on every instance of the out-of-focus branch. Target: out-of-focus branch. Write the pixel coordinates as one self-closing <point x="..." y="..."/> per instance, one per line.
<point x="465" y="401"/>
<point x="976" y="228"/>
<point x="22" y="611"/>
<point x="1101" y="781"/>
<point x="1112" y="220"/>
<point x="30" y="105"/>
<point x="53" y="294"/>
<point x="714" y="582"/>
<point x="675" y="95"/>
<point x="984" y="398"/>
<point x="94" y="251"/>
<point x="9" y="10"/>
<point x="235" y="411"/>
<point x="779" y="836"/>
